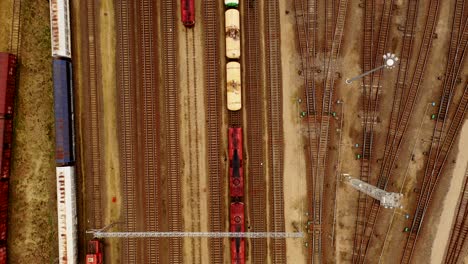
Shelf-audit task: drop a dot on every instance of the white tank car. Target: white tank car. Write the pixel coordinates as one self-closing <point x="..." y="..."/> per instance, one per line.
<point x="60" y="28"/>
<point x="233" y="35"/>
<point x="231" y="3"/>
<point x="233" y="86"/>
<point x="67" y="218"/>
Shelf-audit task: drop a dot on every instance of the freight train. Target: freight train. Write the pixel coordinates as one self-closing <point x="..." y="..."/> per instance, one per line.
<point x="234" y="103"/>
<point x="187" y="9"/>
<point x="95" y="252"/>
<point x="237" y="225"/>
<point x="64" y="130"/>
<point x="8" y="63"/>
<point x="236" y="174"/>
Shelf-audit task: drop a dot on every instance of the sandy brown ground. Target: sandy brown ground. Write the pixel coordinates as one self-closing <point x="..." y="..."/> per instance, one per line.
<point x="294" y="166"/>
<point x="6" y="13"/>
<point x="450" y="202"/>
<point x="193" y="139"/>
<point x="33" y="217"/>
<point x="111" y="179"/>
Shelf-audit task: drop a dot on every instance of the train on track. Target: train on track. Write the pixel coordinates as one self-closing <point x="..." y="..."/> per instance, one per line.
<point x="95" y="252"/>
<point x="187" y="9"/>
<point x="8" y="63"/>
<point x="64" y="130"/>
<point x="237" y="225"/>
<point x="233" y="53"/>
<point x="236" y="174"/>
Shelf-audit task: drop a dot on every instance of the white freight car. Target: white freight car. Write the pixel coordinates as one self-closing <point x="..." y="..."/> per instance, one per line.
<point x="60" y="28"/>
<point x="233" y="86"/>
<point x="67" y="218"/>
<point x="233" y="35"/>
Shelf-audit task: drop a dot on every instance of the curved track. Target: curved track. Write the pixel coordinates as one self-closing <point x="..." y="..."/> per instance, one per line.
<point x="398" y="130"/>
<point x="459" y="228"/>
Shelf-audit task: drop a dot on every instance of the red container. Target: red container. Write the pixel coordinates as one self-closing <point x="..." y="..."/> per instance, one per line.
<point x="7" y="83"/>
<point x="236" y="173"/>
<point x="237" y="225"/>
<point x="187" y="8"/>
<point x="95" y="252"/>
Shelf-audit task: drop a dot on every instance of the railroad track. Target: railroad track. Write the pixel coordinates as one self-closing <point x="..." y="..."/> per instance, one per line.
<point x="149" y="125"/>
<point x="15" y="34"/>
<point x="275" y="121"/>
<point x="194" y="160"/>
<point x="371" y="87"/>
<point x="126" y="80"/>
<point x="442" y="140"/>
<point x="397" y="132"/>
<point x="306" y="23"/>
<point x="93" y="124"/>
<point x="252" y="70"/>
<point x="367" y="64"/>
<point x="317" y="122"/>
<point x="460" y="227"/>
<point x="172" y="128"/>
<point x="213" y="128"/>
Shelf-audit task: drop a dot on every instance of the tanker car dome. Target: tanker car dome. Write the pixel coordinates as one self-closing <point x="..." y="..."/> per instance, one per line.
<point x="233" y="34"/>
<point x="231" y="3"/>
<point x="233" y="86"/>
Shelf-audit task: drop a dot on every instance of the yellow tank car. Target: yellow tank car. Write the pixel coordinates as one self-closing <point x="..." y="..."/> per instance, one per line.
<point x="233" y="85"/>
<point x="233" y="42"/>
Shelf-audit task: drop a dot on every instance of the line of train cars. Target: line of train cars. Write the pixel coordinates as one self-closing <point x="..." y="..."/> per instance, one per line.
<point x="8" y="63"/>
<point x="234" y="103"/>
<point x="64" y="130"/>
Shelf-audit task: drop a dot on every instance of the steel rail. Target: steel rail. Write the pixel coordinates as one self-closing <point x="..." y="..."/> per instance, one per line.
<point x="171" y="110"/>
<point x="126" y="119"/>
<point x="275" y="128"/>
<point x="213" y="128"/>
<point x="150" y="125"/>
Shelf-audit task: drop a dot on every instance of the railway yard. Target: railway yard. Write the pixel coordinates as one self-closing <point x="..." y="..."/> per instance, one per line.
<point x="170" y="138"/>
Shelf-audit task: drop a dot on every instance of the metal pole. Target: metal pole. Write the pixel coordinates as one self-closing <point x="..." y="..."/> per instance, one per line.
<point x="348" y="81"/>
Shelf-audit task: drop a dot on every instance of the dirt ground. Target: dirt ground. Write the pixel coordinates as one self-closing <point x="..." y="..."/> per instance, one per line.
<point x="33" y="217"/>
<point x="112" y="177"/>
<point x="450" y="202"/>
<point x="193" y="140"/>
<point x="294" y="166"/>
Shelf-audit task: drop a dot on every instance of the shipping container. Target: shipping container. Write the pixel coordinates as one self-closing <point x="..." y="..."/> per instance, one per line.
<point x="237" y="225"/>
<point x="60" y="28"/>
<point x="231" y="3"/>
<point x="7" y="83"/>
<point x="233" y="86"/>
<point x="233" y="34"/>
<point x="67" y="217"/>
<point x="63" y="106"/>
<point x="187" y="8"/>
<point x="236" y="173"/>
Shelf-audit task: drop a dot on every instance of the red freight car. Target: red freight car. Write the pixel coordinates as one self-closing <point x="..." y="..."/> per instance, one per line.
<point x="7" y="92"/>
<point x="7" y="83"/>
<point x="236" y="174"/>
<point x="95" y="252"/>
<point x="187" y="8"/>
<point x="237" y="225"/>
